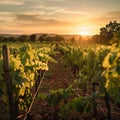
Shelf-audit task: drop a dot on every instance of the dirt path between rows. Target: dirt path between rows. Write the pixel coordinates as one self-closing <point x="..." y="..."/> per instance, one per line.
<point x="57" y="77"/>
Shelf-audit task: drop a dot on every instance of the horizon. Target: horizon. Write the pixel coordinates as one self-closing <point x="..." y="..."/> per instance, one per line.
<point x="69" y="17"/>
<point x="12" y="34"/>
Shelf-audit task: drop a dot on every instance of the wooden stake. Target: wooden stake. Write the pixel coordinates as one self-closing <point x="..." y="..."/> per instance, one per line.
<point x="8" y="79"/>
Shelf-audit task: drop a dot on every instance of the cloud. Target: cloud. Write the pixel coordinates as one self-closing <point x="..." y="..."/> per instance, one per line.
<point x="23" y="23"/>
<point x="33" y="12"/>
<point x="56" y="11"/>
<point x="103" y="19"/>
<point x="113" y="15"/>
<point x="77" y="12"/>
<point x="45" y="7"/>
<point x="28" y="19"/>
<point x="23" y="17"/>
<point x="52" y="0"/>
<point x="6" y="17"/>
<point x="56" y="0"/>
<point x="71" y="14"/>
<point x="11" y="2"/>
<point x="10" y="30"/>
<point x="37" y="21"/>
<point x="56" y="5"/>
<point x="109" y="16"/>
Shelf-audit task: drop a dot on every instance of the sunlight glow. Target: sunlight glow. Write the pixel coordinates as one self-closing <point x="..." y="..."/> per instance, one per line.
<point x="84" y="33"/>
<point x="84" y="30"/>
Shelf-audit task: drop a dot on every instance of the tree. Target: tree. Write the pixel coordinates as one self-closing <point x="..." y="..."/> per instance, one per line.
<point x="105" y="35"/>
<point x="42" y="37"/>
<point x="49" y="39"/>
<point x="116" y="38"/>
<point x="1" y="38"/>
<point x="113" y="26"/>
<point x="58" y="38"/>
<point x="72" y="40"/>
<point x="33" y="37"/>
<point x="80" y="40"/>
<point x="23" y="38"/>
<point x="12" y="39"/>
<point x="6" y="39"/>
<point x="95" y="38"/>
<point x="107" y="32"/>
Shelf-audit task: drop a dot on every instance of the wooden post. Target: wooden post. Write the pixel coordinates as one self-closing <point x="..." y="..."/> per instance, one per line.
<point x="8" y="79"/>
<point x="108" y="106"/>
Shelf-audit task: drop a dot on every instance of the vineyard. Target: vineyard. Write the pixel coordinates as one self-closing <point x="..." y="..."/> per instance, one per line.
<point x="61" y="81"/>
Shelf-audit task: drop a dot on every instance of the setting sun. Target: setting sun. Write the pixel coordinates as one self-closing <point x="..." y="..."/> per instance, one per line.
<point x="84" y="33"/>
<point x="85" y="30"/>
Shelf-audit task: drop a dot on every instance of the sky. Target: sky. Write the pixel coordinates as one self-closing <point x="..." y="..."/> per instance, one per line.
<point x="57" y="16"/>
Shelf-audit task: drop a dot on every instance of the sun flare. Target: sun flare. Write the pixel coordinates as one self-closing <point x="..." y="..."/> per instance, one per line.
<point x="84" y="33"/>
<point x="85" y="30"/>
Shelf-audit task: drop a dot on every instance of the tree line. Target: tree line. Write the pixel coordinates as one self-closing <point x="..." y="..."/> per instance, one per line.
<point x="32" y="38"/>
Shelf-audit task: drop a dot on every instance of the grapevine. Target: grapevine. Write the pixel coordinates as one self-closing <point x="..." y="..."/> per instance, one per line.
<point x="25" y="63"/>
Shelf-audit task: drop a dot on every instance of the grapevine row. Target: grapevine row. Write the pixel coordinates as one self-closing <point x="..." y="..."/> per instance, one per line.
<point x="97" y="72"/>
<point x="27" y="67"/>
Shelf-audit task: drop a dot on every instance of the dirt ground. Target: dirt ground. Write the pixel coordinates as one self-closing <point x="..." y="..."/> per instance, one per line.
<point x="57" y="77"/>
